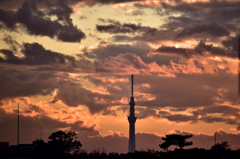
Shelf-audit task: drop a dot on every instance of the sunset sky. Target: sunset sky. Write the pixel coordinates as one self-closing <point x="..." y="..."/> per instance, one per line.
<point x="68" y="64"/>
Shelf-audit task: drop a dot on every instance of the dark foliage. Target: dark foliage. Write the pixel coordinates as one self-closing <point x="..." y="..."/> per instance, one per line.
<point x="60" y="145"/>
<point x="63" y="142"/>
<point x="221" y="147"/>
<point x="175" y="139"/>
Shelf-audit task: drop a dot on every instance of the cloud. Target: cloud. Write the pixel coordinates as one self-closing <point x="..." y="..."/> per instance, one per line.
<point x="178" y="118"/>
<point x="74" y="95"/>
<point x="232" y="43"/>
<point x="36" y="54"/>
<point x="121" y="38"/>
<point x="15" y="83"/>
<point x="211" y="18"/>
<point x="212" y="28"/>
<point x="134" y="12"/>
<point x="113" y="50"/>
<point x="187" y="90"/>
<point x="218" y="119"/>
<point x="124" y="64"/>
<point x="210" y="114"/>
<point x="219" y="113"/>
<point x="37" y="23"/>
<point x="179" y="51"/>
<point x="94" y="2"/>
<point x="14" y="45"/>
<point x="202" y="49"/>
<point x="154" y="36"/>
<point x="227" y="110"/>
<point x="238" y="127"/>
<point x="143" y="113"/>
<point x="116" y="27"/>
<point x="225" y="11"/>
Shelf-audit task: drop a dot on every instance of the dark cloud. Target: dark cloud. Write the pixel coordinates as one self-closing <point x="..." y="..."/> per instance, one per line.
<point x="213" y="29"/>
<point x="206" y="114"/>
<point x="14" y="45"/>
<point x="180" y="51"/>
<point x="36" y="54"/>
<point x="107" y="1"/>
<point x="8" y="18"/>
<point x="73" y="95"/>
<point x="13" y="4"/>
<point x="201" y="49"/>
<point x="128" y="60"/>
<point x="15" y="83"/>
<point x="156" y="36"/>
<point x="223" y="11"/>
<point x="116" y="27"/>
<point x="10" y="4"/>
<point x="112" y="50"/>
<point x="121" y="38"/>
<point x="143" y="113"/>
<point x="200" y="19"/>
<point x="182" y="19"/>
<point x="180" y="118"/>
<point x="46" y="4"/>
<point x="37" y="23"/>
<point x="232" y="43"/>
<point x="125" y="28"/>
<point x="208" y="119"/>
<point x="187" y="90"/>
<point x="82" y="17"/>
<point x="227" y="110"/>
<point x="137" y="13"/>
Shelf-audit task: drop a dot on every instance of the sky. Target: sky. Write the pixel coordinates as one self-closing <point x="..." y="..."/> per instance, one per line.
<point x="68" y="64"/>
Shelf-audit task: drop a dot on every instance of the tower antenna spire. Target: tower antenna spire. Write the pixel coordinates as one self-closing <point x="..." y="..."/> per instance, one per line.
<point x="18" y="127"/>
<point x="132" y="84"/>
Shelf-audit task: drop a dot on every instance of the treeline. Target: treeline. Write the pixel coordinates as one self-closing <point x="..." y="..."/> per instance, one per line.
<point x="64" y="145"/>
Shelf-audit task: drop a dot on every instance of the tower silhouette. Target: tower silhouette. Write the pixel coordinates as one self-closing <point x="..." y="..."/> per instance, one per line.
<point x="132" y="119"/>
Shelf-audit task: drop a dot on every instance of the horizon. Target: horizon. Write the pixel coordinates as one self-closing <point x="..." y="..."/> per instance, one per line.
<point x="68" y="64"/>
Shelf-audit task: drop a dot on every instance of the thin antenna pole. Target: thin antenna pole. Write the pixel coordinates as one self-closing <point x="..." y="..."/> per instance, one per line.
<point x="215" y="138"/>
<point x="132" y="85"/>
<point x="18" y="127"/>
<point x="239" y="64"/>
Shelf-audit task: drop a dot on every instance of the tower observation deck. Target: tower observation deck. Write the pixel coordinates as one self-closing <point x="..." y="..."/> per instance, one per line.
<point x="132" y="119"/>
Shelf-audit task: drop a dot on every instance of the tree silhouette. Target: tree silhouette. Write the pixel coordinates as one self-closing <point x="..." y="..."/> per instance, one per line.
<point x="221" y="147"/>
<point x="63" y="142"/>
<point x="175" y="139"/>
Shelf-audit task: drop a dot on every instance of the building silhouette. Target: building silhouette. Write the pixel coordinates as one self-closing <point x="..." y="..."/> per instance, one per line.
<point x="132" y="119"/>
